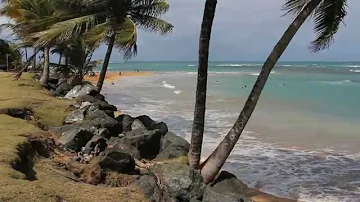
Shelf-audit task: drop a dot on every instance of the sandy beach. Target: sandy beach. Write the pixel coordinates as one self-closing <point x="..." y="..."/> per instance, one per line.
<point x="113" y="76"/>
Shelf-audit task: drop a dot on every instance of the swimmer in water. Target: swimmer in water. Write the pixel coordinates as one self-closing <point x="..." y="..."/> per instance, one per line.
<point x="112" y="83"/>
<point x="216" y="81"/>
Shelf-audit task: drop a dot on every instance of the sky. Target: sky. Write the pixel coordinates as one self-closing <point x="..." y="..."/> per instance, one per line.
<point x="243" y="30"/>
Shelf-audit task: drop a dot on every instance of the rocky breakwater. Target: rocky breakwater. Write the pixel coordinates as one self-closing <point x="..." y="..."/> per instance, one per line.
<point x="140" y="148"/>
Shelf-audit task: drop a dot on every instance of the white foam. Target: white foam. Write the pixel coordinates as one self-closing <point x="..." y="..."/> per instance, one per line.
<point x="177" y="92"/>
<point x="355" y="70"/>
<point x="166" y="85"/>
<point x="337" y="82"/>
<point x="353" y="66"/>
<point x="191" y="65"/>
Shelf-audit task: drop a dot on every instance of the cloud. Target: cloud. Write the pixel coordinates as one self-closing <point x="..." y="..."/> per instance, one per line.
<point x="242" y="30"/>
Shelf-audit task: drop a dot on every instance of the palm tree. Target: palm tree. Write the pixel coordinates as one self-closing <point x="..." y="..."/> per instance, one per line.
<point x="114" y="21"/>
<point x="200" y="105"/>
<point x="328" y="14"/>
<point x="28" y="16"/>
<point x="78" y="55"/>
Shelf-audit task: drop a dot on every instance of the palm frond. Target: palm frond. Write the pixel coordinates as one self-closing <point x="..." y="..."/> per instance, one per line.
<point x="126" y="37"/>
<point x="294" y="7"/>
<point x="65" y="30"/>
<point x="153" y="24"/>
<point x="153" y="8"/>
<point x="328" y="17"/>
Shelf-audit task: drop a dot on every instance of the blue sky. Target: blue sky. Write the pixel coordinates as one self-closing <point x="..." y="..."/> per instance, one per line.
<point x="243" y="30"/>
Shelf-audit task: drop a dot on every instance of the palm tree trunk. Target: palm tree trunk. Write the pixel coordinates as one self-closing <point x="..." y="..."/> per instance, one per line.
<point x="26" y="57"/>
<point x="106" y="63"/>
<point x="216" y="160"/>
<point x="26" y="54"/>
<point x="46" y="71"/>
<point x="200" y="104"/>
<point x="60" y="58"/>
<point x="36" y="50"/>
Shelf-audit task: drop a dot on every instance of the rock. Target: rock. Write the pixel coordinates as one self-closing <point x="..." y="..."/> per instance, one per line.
<point x="125" y="121"/>
<point x="226" y="188"/>
<point x="117" y="161"/>
<point x="162" y="127"/>
<point x="183" y="182"/>
<point x="102" y="120"/>
<point x="118" y="144"/>
<point x="103" y="105"/>
<point x="146" y="120"/>
<point x="173" y="146"/>
<point x="77" y="137"/>
<point x="146" y="141"/>
<point x="60" y="130"/>
<point x="74" y="80"/>
<point x="79" y="90"/>
<point x="95" y="140"/>
<point x="137" y="124"/>
<point x="76" y="116"/>
<point x="150" y="188"/>
<point x="62" y="89"/>
<point x="103" y="132"/>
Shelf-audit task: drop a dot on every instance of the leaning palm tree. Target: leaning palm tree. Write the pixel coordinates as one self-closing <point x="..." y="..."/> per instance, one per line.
<point x="328" y="15"/>
<point x="110" y="18"/>
<point x="200" y="104"/>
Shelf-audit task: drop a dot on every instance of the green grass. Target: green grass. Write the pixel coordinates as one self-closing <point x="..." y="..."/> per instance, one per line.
<point x="49" y="186"/>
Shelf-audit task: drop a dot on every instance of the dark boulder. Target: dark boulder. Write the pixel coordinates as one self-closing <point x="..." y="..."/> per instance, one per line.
<point x="125" y="121"/>
<point x="146" y="120"/>
<point x="117" y="161"/>
<point x="76" y="116"/>
<point x="95" y="140"/>
<point x="77" y="137"/>
<point x="103" y="132"/>
<point x="146" y="141"/>
<point x="226" y="188"/>
<point x="162" y="127"/>
<point x="102" y="120"/>
<point x="79" y="90"/>
<point x="181" y="181"/>
<point x="150" y="188"/>
<point x="62" y="89"/>
<point x="118" y="144"/>
<point x="173" y="146"/>
<point x="137" y="124"/>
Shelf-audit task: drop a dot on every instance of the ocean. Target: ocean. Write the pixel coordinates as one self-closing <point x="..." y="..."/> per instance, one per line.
<point x="302" y="141"/>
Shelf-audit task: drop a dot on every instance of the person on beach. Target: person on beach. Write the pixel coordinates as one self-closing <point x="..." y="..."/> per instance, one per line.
<point x="112" y="83"/>
<point x="119" y="73"/>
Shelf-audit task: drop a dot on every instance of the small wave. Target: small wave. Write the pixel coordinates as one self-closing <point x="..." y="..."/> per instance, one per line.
<point x="353" y="66"/>
<point x="229" y="65"/>
<point x="191" y="65"/>
<point x="355" y="70"/>
<point x="166" y="85"/>
<point x="257" y="74"/>
<point x="337" y="82"/>
<point x="191" y="73"/>
<point x="177" y="92"/>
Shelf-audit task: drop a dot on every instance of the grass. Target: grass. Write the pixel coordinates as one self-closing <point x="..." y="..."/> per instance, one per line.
<point x="49" y="185"/>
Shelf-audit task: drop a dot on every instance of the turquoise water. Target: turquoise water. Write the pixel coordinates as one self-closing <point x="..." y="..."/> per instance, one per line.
<point x="326" y="87"/>
<point x="303" y="133"/>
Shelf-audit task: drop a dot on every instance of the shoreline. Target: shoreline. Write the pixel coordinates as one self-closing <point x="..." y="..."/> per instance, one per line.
<point x="255" y="194"/>
<point x="113" y="76"/>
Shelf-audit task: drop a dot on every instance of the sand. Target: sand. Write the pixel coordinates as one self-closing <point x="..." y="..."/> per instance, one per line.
<point x="113" y="76"/>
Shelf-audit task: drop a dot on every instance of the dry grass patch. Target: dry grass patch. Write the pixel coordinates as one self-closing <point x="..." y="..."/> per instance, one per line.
<point x="18" y="149"/>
